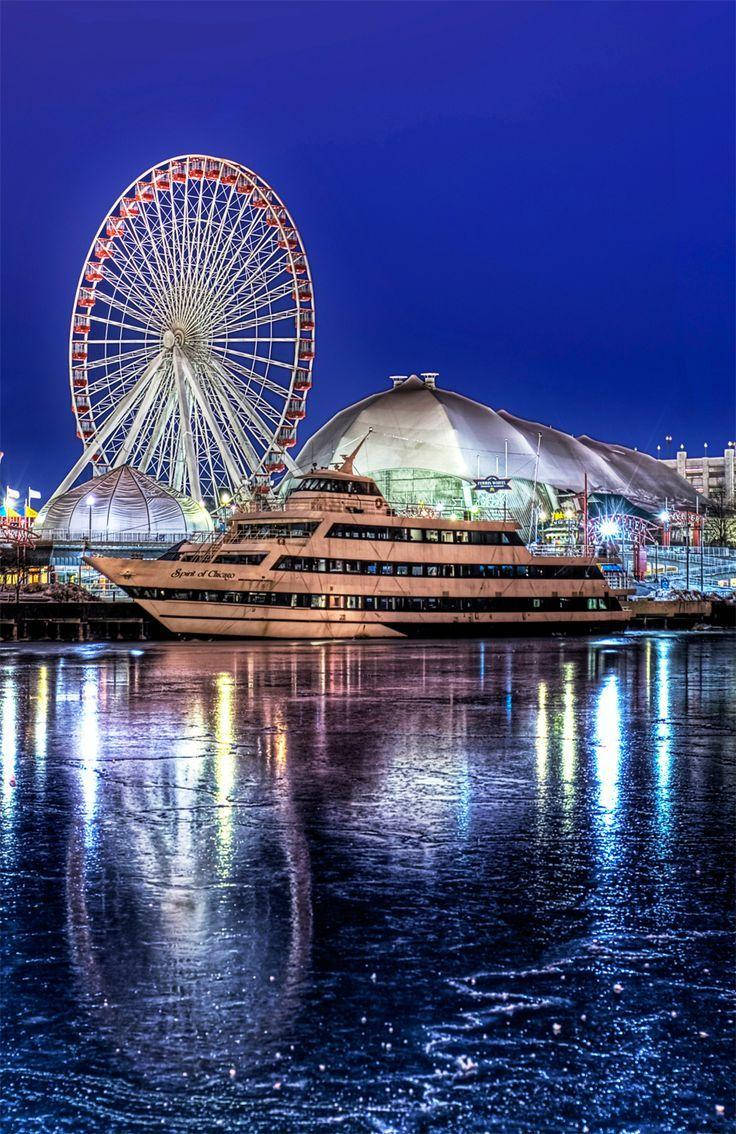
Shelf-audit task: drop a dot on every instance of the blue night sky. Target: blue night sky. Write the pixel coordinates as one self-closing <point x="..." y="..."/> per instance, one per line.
<point x="536" y="200"/>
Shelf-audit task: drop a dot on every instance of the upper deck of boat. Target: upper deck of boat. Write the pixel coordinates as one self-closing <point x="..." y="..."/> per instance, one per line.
<point x="338" y="491"/>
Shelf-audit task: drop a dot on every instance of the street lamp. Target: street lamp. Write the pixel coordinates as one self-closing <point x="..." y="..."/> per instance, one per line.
<point x="668" y="440"/>
<point x="90" y="505"/>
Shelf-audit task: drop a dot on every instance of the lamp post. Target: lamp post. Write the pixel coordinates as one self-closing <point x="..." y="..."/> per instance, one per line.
<point x="90" y="503"/>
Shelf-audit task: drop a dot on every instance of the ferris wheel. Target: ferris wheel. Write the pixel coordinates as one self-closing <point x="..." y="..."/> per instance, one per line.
<point x="192" y="334"/>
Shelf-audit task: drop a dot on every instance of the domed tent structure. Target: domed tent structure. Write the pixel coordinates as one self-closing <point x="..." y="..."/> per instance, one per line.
<point x="426" y="445"/>
<point x="122" y="502"/>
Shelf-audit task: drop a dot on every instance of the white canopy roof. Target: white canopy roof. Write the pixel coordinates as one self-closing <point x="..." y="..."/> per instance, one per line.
<point x="416" y="425"/>
<point x="123" y="501"/>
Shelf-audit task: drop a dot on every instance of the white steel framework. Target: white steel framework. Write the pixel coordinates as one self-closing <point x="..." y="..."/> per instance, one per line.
<point x="192" y="334"/>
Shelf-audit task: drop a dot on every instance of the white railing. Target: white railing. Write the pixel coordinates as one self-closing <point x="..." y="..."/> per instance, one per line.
<point x="143" y="539"/>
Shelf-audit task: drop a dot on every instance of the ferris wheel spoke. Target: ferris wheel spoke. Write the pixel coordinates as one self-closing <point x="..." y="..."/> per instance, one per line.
<point x="236" y="268"/>
<point x="133" y="261"/>
<point x="245" y="203"/>
<point x="112" y="301"/>
<point x="250" y="324"/>
<point x="266" y="269"/>
<point x="166" y="247"/>
<point x="255" y="358"/>
<point x="228" y="414"/>
<point x="238" y="372"/>
<point x="117" y="323"/>
<point x="226" y="255"/>
<point x="108" y="384"/>
<point x="192" y="227"/>
<point x="104" y="342"/>
<point x="269" y="295"/>
<point x="135" y="274"/>
<point x="260" y="428"/>
<point x="145" y="306"/>
<point x="159" y="288"/>
<point x="214" y="249"/>
<point x="125" y="356"/>
<point x="205" y="247"/>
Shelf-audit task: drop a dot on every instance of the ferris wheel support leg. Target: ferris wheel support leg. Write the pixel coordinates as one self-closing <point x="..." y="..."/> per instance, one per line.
<point x="234" y="471"/>
<point x="257" y="425"/>
<point x="186" y="425"/>
<point x="134" y="433"/>
<point x="109" y="427"/>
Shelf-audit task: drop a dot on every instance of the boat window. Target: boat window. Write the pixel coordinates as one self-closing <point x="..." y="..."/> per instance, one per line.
<point x="431" y="535"/>
<point x="403" y="603"/>
<point x="251" y="558"/>
<point x="415" y="534"/>
<point x="446" y="535"/>
<point x="432" y="570"/>
<point x="335" y="484"/>
<point x="387" y="568"/>
<point x="416" y="569"/>
<point x="257" y="531"/>
<point x="402" y="568"/>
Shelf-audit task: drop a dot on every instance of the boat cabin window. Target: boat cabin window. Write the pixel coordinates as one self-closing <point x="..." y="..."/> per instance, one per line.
<point x="335" y="484"/>
<point x="402" y="603"/>
<point x="298" y="529"/>
<point x="437" y="570"/>
<point x="426" y="535"/>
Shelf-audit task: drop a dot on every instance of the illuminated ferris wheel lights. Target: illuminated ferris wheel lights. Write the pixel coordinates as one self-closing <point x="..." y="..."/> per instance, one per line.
<point x="190" y="354"/>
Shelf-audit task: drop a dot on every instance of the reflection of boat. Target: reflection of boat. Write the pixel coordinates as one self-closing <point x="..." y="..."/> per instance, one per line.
<point x="337" y="562"/>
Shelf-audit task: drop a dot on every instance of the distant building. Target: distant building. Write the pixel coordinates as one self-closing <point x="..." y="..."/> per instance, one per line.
<point x="710" y="476"/>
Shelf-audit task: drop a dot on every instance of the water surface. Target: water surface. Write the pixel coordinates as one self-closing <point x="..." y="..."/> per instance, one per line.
<point x="369" y="887"/>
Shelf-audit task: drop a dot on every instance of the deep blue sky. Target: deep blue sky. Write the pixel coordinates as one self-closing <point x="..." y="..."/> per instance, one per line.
<point x="537" y="200"/>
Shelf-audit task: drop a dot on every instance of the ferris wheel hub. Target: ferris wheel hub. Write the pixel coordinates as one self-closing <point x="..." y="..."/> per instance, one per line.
<point x="174" y="336"/>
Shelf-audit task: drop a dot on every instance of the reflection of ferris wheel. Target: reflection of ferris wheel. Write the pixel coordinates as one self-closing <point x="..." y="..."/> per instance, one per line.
<point x="192" y="334"/>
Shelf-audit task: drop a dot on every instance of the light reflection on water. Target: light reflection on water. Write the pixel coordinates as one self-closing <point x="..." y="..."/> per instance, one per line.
<point x="262" y="858"/>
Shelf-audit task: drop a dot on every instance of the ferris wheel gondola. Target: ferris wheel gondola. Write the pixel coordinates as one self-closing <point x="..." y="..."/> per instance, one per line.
<point x="192" y="332"/>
